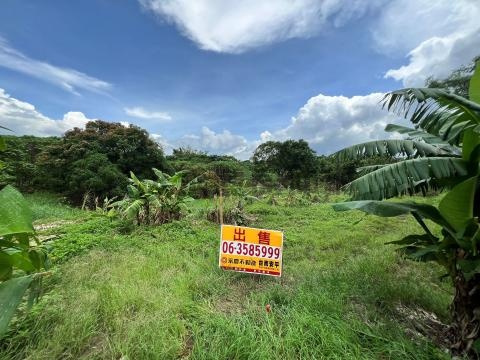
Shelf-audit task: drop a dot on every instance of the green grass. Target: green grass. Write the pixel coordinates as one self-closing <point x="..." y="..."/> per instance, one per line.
<point x="46" y="206"/>
<point x="157" y="293"/>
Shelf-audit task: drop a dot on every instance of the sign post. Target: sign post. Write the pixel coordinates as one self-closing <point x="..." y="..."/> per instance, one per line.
<point x="251" y="250"/>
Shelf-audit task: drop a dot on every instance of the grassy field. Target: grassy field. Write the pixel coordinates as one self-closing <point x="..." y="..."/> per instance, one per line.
<point x="119" y="292"/>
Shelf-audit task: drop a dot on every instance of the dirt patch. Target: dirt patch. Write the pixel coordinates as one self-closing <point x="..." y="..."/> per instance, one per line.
<point x="52" y="225"/>
<point x="96" y="346"/>
<point x="188" y="343"/>
<point x="46" y="238"/>
<point x="423" y="324"/>
<point x="236" y="299"/>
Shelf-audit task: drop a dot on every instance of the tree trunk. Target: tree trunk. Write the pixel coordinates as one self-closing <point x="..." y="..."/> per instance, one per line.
<point x="147" y="214"/>
<point x="465" y="327"/>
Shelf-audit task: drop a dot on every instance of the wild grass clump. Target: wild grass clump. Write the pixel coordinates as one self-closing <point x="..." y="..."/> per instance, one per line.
<point x="50" y="206"/>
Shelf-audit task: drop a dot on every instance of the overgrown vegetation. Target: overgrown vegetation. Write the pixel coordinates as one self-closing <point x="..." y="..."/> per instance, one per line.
<point x="444" y="150"/>
<point x="22" y="258"/>
<point x="156" y="291"/>
<point x="155" y="201"/>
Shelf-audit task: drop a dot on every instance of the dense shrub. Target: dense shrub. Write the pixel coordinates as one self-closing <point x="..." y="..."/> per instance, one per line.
<point x="155" y="201"/>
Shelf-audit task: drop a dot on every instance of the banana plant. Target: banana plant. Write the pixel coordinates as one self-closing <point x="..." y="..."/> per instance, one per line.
<point x="243" y="194"/>
<point x="155" y="201"/>
<point x="442" y="149"/>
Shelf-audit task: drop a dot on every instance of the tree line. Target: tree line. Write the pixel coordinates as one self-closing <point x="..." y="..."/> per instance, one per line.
<point x="96" y="162"/>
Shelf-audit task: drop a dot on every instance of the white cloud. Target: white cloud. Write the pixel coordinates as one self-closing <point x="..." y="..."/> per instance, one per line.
<point x="327" y="123"/>
<point x="166" y="145"/>
<point x="141" y="113"/>
<point x="439" y="36"/>
<point x="211" y="142"/>
<point x="236" y="26"/>
<point x="67" y="79"/>
<point x="330" y="123"/>
<point x="216" y="143"/>
<point x="23" y="119"/>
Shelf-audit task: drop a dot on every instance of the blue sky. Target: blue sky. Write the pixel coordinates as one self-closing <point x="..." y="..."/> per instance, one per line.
<point x="223" y="75"/>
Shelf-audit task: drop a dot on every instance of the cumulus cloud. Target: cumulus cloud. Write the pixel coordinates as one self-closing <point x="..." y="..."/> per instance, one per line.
<point x="236" y="26"/>
<point x="439" y="37"/>
<point x="330" y="123"/>
<point x="211" y="142"/>
<point x="140" y="112"/>
<point x="65" y="78"/>
<point x="164" y="143"/>
<point x="217" y="143"/>
<point x="436" y="36"/>
<point x="327" y="123"/>
<point x="23" y="119"/>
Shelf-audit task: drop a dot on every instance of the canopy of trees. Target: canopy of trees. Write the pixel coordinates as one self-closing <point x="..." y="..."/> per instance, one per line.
<point x="95" y="160"/>
<point x="212" y="170"/>
<point x="293" y="163"/>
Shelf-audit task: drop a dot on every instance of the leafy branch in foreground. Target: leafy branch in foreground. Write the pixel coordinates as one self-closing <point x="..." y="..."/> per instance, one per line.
<point x="448" y="127"/>
<point x="22" y="258"/>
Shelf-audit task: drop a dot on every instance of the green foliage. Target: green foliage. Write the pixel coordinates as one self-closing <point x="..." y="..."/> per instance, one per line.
<point x="94" y="161"/>
<point x="231" y="208"/>
<point x="294" y="162"/>
<point x="50" y="206"/>
<point x="435" y="111"/>
<point x="19" y="258"/>
<point x="157" y="293"/>
<point x="11" y="294"/>
<point x="243" y="193"/>
<point x="155" y="201"/>
<point x="457" y="121"/>
<point x="474" y="85"/>
<point x="390" y="148"/>
<point x="212" y="171"/>
<point x="20" y="158"/>
<point x="94" y="174"/>
<point x="458" y="82"/>
<point x="405" y="177"/>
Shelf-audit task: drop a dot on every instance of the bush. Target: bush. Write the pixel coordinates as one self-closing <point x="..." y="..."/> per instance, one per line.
<point x="155" y="201"/>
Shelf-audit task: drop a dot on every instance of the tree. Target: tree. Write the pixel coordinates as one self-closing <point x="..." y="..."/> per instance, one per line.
<point x="338" y="173"/>
<point x="457" y="82"/>
<point x="293" y="161"/>
<point x="98" y="159"/>
<point x="209" y="169"/>
<point x="94" y="174"/>
<point x="443" y="149"/>
<point x="21" y="160"/>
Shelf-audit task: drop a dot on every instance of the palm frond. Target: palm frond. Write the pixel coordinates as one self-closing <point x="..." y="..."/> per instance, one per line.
<point x="405" y="177"/>
<point x="363" y="170"/>
<point x="435" y="111"/>
<point x="133" y="208"/>
<point x="391" y="148"/>
<point x="415" y="134"/>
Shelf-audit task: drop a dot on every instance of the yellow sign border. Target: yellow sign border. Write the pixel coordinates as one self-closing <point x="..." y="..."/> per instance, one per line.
<point x="244" y="270"/>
